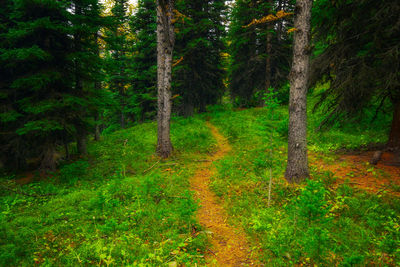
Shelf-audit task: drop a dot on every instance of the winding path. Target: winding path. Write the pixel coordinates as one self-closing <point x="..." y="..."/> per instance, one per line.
<point x="229" y="244"/>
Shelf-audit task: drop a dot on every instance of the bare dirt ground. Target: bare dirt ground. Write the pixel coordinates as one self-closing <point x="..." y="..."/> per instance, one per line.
<point x="229" y="244"/>
<point x="385" y="176"/>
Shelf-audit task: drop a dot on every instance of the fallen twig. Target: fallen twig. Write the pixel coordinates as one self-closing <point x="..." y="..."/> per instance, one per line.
<point x="382" y="189"/>
<point x="212" y="252"/>
<point x="150" y="167"/>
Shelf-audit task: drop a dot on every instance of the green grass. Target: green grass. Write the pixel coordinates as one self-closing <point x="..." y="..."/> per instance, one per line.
<point x="122" y="206"/>
<point x="312" y="223"/>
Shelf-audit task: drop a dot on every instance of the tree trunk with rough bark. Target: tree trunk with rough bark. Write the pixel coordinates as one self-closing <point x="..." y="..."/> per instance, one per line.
<point x="394" y="136"/>
<point x="280" y="22"/>
<point x="48" y="159"/>
<point x="268" y="74"/>
<point x="97" y="88"/>
<point x="79" y="124"/>
<point x="97" y="127"/>
<point x="81" y="140"/>
<point x="297" y="164"/>
<point x="393" y="143"/>
<point x="165" y="47"/>
<point x="188" y="109"/>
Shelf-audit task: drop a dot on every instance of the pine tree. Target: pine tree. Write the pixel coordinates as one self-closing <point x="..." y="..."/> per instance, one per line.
<point x="51" y="60"/>
<point x="143" y="94"/>
<point x="36" y="56"/>
<point x="297" y="164"/>
<point x="86" y="21"/>
<point x="117" y="58"/>
<point x="360" y="59"/>
<point x="165" y="49"/>
<point x="260" y="52"/>
<point x="8" y="114"/>
<point x="199" y="74"/>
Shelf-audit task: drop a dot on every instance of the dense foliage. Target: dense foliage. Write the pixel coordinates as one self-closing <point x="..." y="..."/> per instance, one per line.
<point x="144" y="65"/>
<point x="80" y="183"/>
<point x="47" y="92"/>
<point x="358" y="54"/>
<point x="71" y="68"/>
<point x="199" y="46"/>
<point x="252" y="46"/>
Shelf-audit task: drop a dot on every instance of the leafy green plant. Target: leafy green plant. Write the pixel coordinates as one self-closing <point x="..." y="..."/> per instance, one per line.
<point x="70" y="173"/>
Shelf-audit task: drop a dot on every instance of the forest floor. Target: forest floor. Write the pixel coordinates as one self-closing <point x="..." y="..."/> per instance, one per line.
<point x="208" y="203"/>
<point x="229" y="244"/>
<point x="355" y="167"/>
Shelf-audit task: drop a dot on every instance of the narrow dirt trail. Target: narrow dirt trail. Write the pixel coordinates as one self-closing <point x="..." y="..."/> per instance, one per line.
<point x="229" y="244"/>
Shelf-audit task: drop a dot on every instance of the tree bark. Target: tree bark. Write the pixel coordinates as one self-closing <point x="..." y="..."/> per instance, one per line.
<point x="297" y="164"/>
<point x="394" y="136"/>
<point x="79" y="122"/>
<point x="48" y="161"/>
<point x="165" y="47"/>
<point x="188" y="109"/>
<point x="280" y="23"/>
<point x="96" y="127"/>
<point x="65" y="142"/>
<point x="268" y="51"/>
<point x="81" y="140"/>
<point x="97" y="88"/>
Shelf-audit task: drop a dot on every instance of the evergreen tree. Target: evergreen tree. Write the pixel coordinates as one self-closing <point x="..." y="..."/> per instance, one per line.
<point x="297" y="163"/>
<point x="36" y="56"/>
<point x="360" y="58"/>
<point x="143" y="94"/>
<point x="86" y="21"/>
<point x="199" y="74"/>
<point x="50" y="60"/>
<point x="8" y="114"/>
<point x="117" y="57"/>
<point x="260" y="50"/>
<point x="165" y="49"/>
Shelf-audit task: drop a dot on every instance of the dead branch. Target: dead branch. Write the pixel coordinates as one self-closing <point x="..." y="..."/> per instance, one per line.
<point x="152" y="166"/>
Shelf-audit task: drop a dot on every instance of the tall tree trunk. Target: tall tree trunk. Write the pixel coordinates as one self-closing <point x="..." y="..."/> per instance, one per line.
<point x="81" y="140"/>
<point x="268" y="74"/>
<point x="97" y="88"/>
<point x="122" y="117"/>
<point x="188" y="108"/>
<point x="280" y="23"/>
<point x="48" y="160"/>
<point x="394" y="136"/>
<point x="96" y="127"/>
<point x="122" y="94"/>
<point x="67" y="154"/>
<point x="65" y="142"/>
<point x="165" y="47"/>
<point x="202" y="106"/>
<point x="79" y="121"/>
<point x="297" y="164"/>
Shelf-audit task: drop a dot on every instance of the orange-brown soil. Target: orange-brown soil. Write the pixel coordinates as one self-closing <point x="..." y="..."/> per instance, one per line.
<point x="30" y="177"/>
<point x="27" y="178"/>
<point x="229" y="244"/>
<point x="384" y="176"/>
